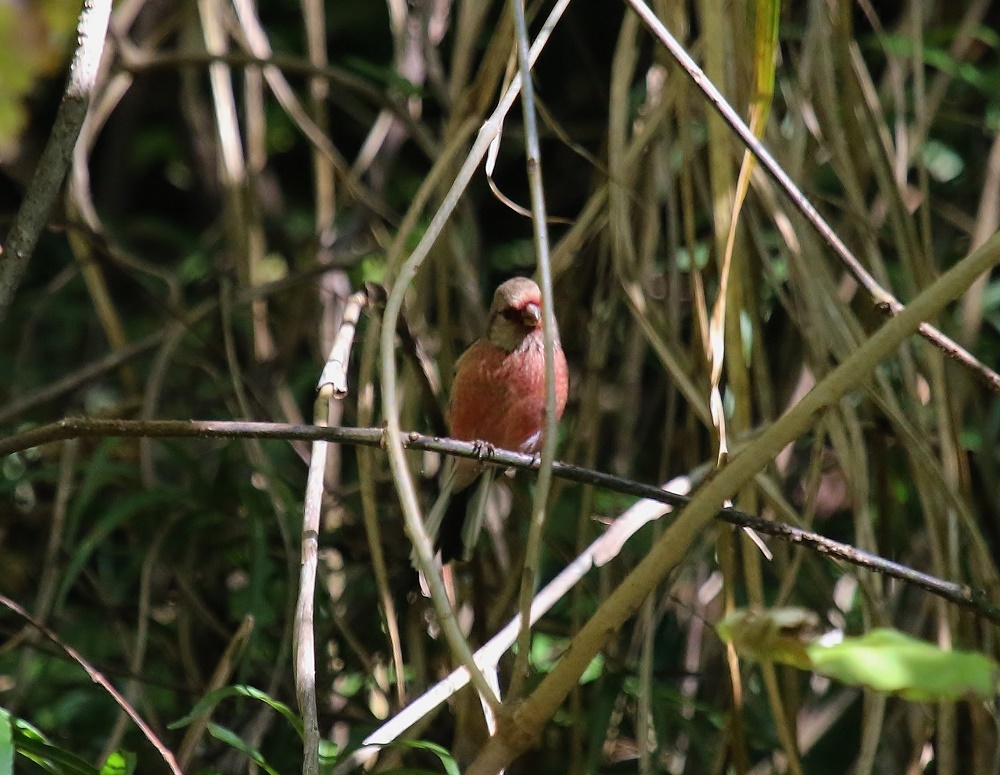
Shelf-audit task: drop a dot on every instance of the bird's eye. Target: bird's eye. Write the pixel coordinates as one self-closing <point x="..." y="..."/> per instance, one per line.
<point x="528" y="316"/>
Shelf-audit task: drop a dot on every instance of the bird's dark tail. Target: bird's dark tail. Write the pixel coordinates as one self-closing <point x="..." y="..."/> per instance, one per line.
<point x="449" y="538"/>
<point x="463" y="522"/>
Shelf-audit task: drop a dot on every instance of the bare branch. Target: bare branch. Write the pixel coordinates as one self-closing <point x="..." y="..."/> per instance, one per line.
<point x="83" y="427"/>
<point x="48" y="178"/>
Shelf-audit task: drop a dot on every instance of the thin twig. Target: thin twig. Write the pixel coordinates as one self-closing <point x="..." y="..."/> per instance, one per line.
<point x="335" y="372"/>
<point x="369" y="507"/>
<point x="98" y="679"/>
<point x="397" y="461"/>
<point x="304" y="635"/>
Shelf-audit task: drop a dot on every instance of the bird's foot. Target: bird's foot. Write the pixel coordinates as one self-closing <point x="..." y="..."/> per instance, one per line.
<point x="483" y="450"/>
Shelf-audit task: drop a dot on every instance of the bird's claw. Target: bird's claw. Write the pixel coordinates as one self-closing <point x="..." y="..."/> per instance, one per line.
<point x="483" y="450"/>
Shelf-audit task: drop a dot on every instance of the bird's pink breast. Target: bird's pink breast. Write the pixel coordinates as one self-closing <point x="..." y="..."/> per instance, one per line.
<point x="499" y="397"/>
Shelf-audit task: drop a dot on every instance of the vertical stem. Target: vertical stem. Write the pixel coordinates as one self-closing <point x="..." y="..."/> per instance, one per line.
<point x="529" y="577"/>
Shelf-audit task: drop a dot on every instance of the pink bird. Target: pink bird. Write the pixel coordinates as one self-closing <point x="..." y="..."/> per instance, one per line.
<point x="497" y="397"/>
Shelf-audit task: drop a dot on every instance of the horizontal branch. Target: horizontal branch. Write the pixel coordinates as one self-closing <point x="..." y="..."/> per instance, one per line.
<point x="84" y="427"/>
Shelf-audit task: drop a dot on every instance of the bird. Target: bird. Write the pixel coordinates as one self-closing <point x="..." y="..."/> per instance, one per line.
<point x="497" y="399"/>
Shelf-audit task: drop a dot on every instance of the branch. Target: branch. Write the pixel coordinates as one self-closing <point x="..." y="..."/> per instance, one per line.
<point x="84" y="427"/>
<point x="47" y="180"/>
<point x="533" y="549"/>
<point x="304" y="635"/>
<point x="601" y="551"/>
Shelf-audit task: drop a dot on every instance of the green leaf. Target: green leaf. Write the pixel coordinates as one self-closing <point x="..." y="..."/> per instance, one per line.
<point x="683" y="258"/>
<point x="884" y="659"/>
<point x="891" y="661"/>
<point x="943" y="163"/>
<point x="373" y="269"/>
<point x="210" y="700"/>
<point x="328" y="751"/>
<point x="32" y="38"/>
<point x="777" y="635"/>
<point x="31" y="744"/>
<point x="119" y="763"/>
<point x="447" y="760"/>
<point x="6" y="745"/>
<point x="594" y="670"/>
<point x="233" y="740"/>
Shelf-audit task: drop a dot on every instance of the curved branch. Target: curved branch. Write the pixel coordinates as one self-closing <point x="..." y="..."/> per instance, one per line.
<point x="402" y="478"/>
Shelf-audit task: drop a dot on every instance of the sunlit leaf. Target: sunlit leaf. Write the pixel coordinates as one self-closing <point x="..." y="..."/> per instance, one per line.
<point x="777" y="635"/>
<point x="891" y="661"/>
<point x="943" y="164"/>
<point x="884" y="659"/>
<point x="33" y="43"/>
<point x="119" y="763"/>
<point x="6" y="745"/>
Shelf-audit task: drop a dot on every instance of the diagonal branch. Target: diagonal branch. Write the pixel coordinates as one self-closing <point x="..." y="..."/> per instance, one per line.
<point x="670" y="549"/>
<point x="47" y="180"/>
<point x="98" y="678"/>
<point x="884" y="301"/>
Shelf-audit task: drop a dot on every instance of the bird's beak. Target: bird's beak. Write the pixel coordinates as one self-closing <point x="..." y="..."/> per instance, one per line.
<point x="532" y="315"/>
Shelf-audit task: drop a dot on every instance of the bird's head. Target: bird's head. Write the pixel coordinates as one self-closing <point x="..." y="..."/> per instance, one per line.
<point x="516" y="314"/>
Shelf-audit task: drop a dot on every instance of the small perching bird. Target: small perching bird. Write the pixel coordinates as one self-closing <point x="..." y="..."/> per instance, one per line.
<point x="498" y="398"/>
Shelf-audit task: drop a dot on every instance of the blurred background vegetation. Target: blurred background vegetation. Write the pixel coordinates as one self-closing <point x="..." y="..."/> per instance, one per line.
<point x="198" y="269"/>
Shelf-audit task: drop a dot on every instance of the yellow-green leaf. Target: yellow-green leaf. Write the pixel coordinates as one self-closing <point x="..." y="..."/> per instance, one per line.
<point x="891" y="661"/>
